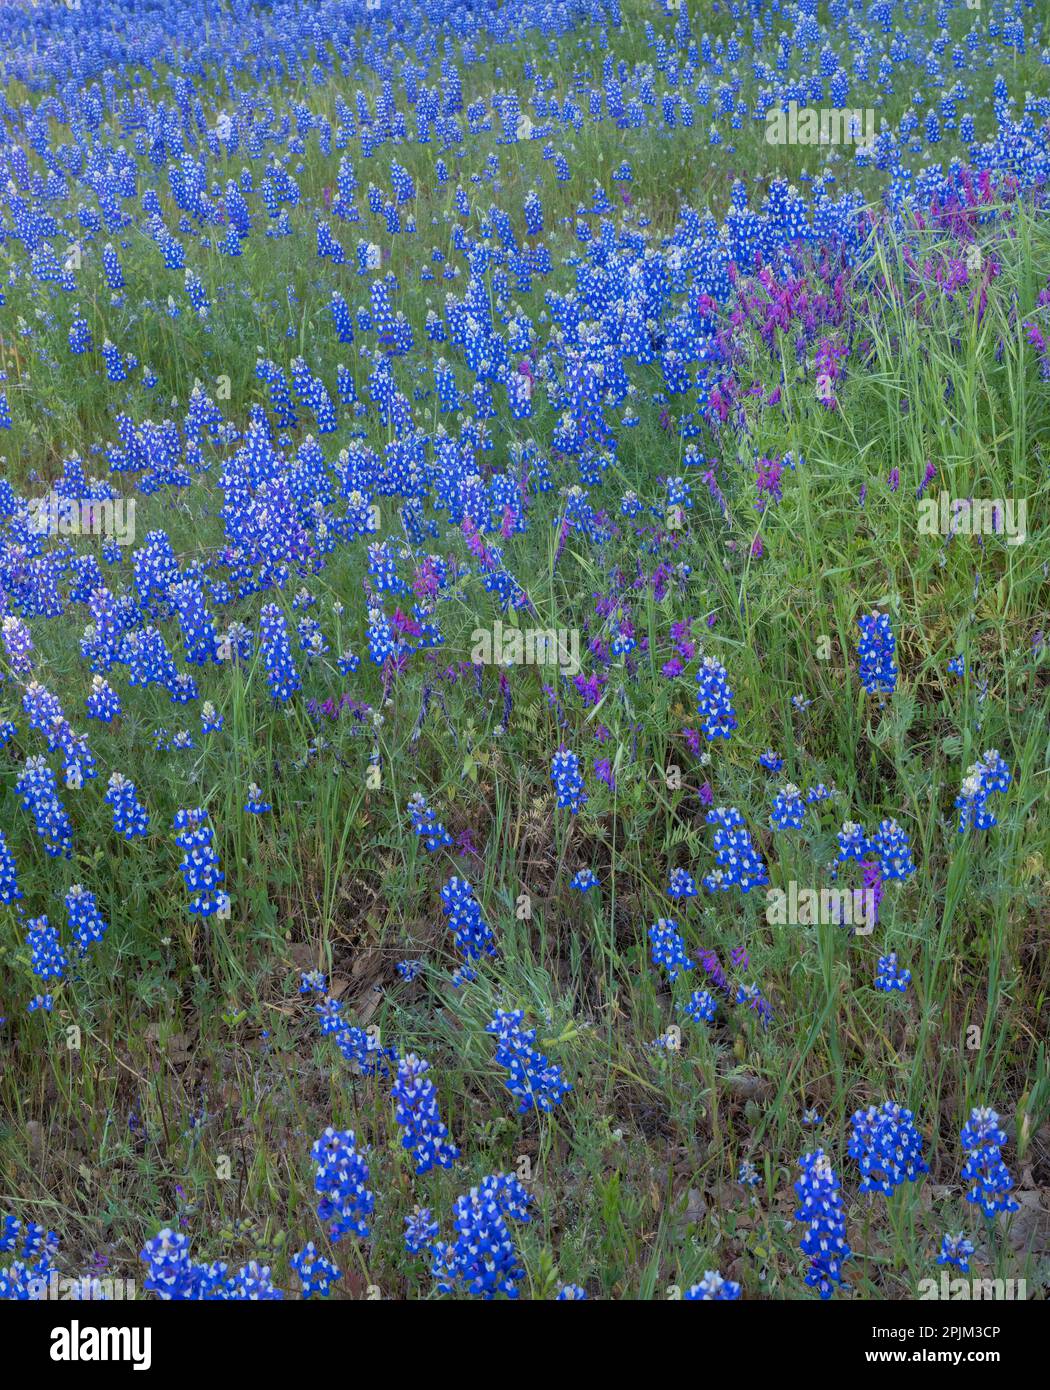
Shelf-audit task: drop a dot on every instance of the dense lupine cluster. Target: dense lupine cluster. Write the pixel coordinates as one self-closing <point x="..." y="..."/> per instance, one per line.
<point x="482" y="1260"/>
<point x="331" y="509"/>
<point x="173" y="1275"/>
<point x="887" y="1147"/>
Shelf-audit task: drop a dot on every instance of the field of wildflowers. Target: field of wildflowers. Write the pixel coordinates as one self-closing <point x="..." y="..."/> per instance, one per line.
<point x="524" y="707"/>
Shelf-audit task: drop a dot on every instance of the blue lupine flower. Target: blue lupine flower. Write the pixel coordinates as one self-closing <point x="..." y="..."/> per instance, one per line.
<point x="668" y="948"/>
<point x="700" y="1006"/>
<point x="714" y="700"/>
<point x="425" y="1137"/>
<point x="473" y="936"/>
<point x="48" y="959"/>
<point x="426" y="824"/>
<point x="789" y="810"/>
<point x="483" y="1261"/>
<point x="753" y="997"/>
<point x="103" y="703"/>
<point x="255" y="805"/>
<point x="9" y="889"/>
<point x="853" y="843"/>
<point x="342" y="1176"/>
<point x="713" y="1288"/>
<point x="173" y="1275"/>
<point x="568" y="780"/>
<point x="570" y="1293"/>
<point x="130" y="817"/>
<point x="18" y="642"/>
<point x="986" y="1175"/>
<point x="771" y="761"/>
<point x="532" y="1078"/>
<point x="276" y="650"/>
<point x="211" y="720"/>
<point x="890" y="844"/>
<point x="314" y="1272"/>
<point x="36" y="787"/>
<point x="199" y="640"/>
<point x="994" y="771"/>
<point x="382" y="569"/>
<point x="171" y="1272"/>
<point x="738" y="863"/>
<point x="985" y="778"/>
<point x="956" y="1250"/>
<point x="887" y="1147"/>
<point x="86" y="922"/>
<point x="878" y="671"/>
<point x="359" y="1046"/>
<point x="199" y="865"/>
<point x="889" y="976"/>
<point x="26" y="1278"/>
<point x="251" y="1284"/>
<point x="682" y="884"/>
<point x="820" y="1207"/>
<point x="420" y="1230"/>
<point x="820" y="793"/>
<point x="584" y="880"/>
<point x="381" y="644"/>
<point x="80" y="339"/>
<point x="25" y="1283"/>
